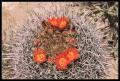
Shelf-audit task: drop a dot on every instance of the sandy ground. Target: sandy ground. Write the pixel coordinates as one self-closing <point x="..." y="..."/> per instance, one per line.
<point x="15" y="13"/>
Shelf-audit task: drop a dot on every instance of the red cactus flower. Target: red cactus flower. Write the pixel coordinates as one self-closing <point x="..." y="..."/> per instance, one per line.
<point x="53" y="22"/>
<point x="58" y="22"/>
<point x="72" y="54"/>
<point x="39" y="55"/>
<point x="61" y="62"/>
<point x="63" y="22"/>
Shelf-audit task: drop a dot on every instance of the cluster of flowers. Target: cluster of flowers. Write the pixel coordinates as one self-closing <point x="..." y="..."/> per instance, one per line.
<point x="61" y="60"/>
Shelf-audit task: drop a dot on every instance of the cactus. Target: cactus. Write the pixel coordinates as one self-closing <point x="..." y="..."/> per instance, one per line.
<point x="91" y="63"/>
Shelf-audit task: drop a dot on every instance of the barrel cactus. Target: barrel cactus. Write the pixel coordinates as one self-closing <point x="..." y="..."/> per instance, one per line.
<point x="91" y="63"/>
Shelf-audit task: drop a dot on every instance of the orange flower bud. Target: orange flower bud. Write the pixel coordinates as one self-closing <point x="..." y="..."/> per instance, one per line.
<point x="71" y="40"/>
<point x="36" y="42"/>
<point x="50" y="59"/>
